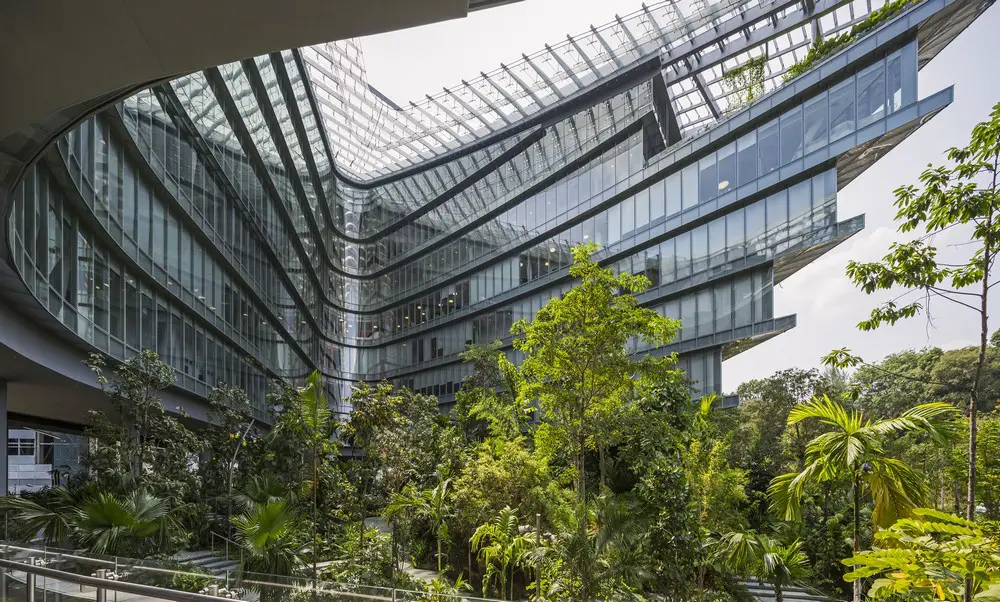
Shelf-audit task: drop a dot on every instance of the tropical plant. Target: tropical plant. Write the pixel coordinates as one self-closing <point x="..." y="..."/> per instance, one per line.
<point x="501" y="546"/>
<point x="433" y="505"/>
<point x="965" y="193"/>
<point x="135" y="525"/>
<point x="931" y="556"/>
<point x="852" y="450"/>
<point x="140" y="438"/>
<point x="765" y="558"/>
<point x="580" y="366"/>
<point x="51" y="512"/>
<point x="271" y="539"/>
<point x="315" y="418"/>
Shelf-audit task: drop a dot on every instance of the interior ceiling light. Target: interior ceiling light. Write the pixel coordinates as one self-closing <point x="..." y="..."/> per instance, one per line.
<point x="723" y="184"/>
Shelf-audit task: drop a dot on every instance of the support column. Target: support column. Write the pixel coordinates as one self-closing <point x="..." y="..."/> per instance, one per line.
<point x="3" y="444"/>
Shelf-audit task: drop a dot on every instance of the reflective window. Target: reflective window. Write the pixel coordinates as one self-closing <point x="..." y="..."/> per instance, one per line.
<point x="746" y="150"/>
<point x="842" y="110"/>
<point x="768" y="147"/>
<point x="727" y="168"/>
<point x="791" y="135"/>
<point x="871" y="94"/>
<point x="814" y="117"/>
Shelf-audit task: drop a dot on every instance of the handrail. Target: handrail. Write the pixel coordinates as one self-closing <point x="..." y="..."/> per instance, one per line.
<point x="228" y="541"/>
<point x="104" y="584"/>
<point x="108" y="584"/>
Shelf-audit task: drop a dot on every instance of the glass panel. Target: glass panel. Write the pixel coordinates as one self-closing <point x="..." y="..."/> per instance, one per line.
<point x="689" y="317"/>
<point x="842" y="110"/>
<point x="894" y="80"/>
<point x="815" y="123"/>
<point x="767" y="146"/>
<point x="723" y="307"/>
<point x="683" y="254"/>
<point x="705" y="314"/>
<point x="871" y="94"/>
<point x="673" y="192"/>
<point x="699" y="248"/>
<point x="727" y="168"/>
<point x="742" y="294"/>
<point x="690" y="177"/>
<point x="747" y="157"/>
<point x="791" y="135"/>
<point x="656" y="200"/>
<point x="734" y="235"/>
<point x="708" y="179"/>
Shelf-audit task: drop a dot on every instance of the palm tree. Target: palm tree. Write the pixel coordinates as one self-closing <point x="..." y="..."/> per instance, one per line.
<point x="315" y="420"/>
<point x="851" y="450"/>
<point x="50" y="512"/>
<point x="765" y="558"/>
<point x="431" y="504"/>
<point x="270" y="538"/>
<point x="138" y="524"/>
<point x="501" y="546"/>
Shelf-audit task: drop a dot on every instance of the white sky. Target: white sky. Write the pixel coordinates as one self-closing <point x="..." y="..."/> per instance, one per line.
<point x="407" y="65"/>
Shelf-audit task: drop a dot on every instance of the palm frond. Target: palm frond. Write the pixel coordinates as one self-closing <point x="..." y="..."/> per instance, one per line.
<point x="937" y="420"/>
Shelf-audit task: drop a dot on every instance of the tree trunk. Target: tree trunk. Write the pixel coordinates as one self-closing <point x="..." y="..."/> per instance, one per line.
<point x="984" y="333"/>
<point x="604" y="470"/>
<point x="857" y="532"/>
<point x="439" y="555"/>
<point x="314" y="512"/>
<point x="778" y="594"/>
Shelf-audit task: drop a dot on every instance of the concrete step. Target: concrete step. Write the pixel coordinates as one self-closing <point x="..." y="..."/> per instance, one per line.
<point x="193" y="556"/>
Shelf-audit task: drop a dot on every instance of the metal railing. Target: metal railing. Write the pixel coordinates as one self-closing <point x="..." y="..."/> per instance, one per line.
<point x="228" y="542"/>
<point x="104" y="579"/>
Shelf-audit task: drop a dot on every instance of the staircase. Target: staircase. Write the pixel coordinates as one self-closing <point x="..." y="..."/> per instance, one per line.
<point x="207" y="560"/>
<point x="765" y="593"/>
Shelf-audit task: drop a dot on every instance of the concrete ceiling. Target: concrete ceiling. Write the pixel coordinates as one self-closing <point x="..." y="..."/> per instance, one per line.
<point x="60" y="53"/>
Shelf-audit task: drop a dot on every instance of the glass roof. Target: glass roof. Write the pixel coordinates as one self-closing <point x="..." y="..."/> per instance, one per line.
<point x="696" y="40"/>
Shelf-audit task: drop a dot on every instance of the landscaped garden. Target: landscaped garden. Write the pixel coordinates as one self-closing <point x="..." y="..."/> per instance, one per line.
<point x="587" y="472"/>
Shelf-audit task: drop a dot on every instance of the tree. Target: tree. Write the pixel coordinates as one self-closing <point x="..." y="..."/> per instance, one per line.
<point x="579" y="365"/>
<point x="717" y="488"/>
<point x="434" y="505"/>
<point x="851" y="449"/>
<point x="964" y="192"/>
<point x="232" y="445"/>
<point x="374" y="431"/>
<point x="501" y="547"/>
<point x="931" y="556"/>
<point x="765" y="558"/>
<point x="270" y="538"/>
<point x="142" y="440"/>
<point x="316" y="422"/>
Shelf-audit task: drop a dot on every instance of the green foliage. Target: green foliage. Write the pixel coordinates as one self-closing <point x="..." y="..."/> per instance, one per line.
<point x="433" y="505"/>
<point x="988" y="465"/>
<point x="191" y="579"/>
<point x="852" y="449"/>
<point x="364" y="560"/>
<point x="501" y="546"/>
<point x="745" y="84"/>
<point x="271" y="538"/>
<point x="133" y="524"/>
<point x="140" y="438"/>
<point x="765" y="558"/>
<point x="929" y="557"/>
<point x="823" y="48"/>
<point x="578" y="363"/>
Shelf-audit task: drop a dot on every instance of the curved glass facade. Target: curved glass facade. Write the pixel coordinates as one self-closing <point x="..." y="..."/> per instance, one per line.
<point x="218" y="219"/>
